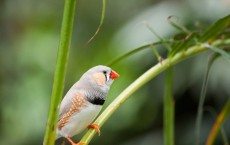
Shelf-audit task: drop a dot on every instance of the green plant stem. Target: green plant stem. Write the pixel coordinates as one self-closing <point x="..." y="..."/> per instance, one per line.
<point x="59" y="77"/>
<point x="143" y="79"/>
<point x="168" y="109"/>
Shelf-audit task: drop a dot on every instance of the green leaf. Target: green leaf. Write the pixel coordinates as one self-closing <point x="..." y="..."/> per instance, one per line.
<point x="222" y="52"/>
<point x="101" y="22"/>
<point x="154" y="49"/>
<point x="164" y="42"/>
<point x="202" y="97"/>
<point x="218" y="123"/>
<point x="185" y="42"/>
<point x="215" y="29"/>
<point x="177" y="25"/>
<point x="116" y="60"/>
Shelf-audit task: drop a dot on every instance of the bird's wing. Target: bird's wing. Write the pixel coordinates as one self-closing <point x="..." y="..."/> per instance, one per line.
<point x="72" y="103"/>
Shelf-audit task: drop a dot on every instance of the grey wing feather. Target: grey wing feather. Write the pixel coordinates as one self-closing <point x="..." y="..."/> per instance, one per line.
<point x="66" y="102"/>
<point x="64" y="108"/>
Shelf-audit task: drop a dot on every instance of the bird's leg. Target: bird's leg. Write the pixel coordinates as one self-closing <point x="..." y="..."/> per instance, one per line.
<point x="73" y="143"/>
<point x="96" y="127"/>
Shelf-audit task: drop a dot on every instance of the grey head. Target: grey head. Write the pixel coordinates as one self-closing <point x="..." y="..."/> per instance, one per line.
<point x="97" y="81"/>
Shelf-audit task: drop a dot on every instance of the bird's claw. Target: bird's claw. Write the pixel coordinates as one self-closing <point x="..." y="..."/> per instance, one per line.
<point x="96" y="127"/>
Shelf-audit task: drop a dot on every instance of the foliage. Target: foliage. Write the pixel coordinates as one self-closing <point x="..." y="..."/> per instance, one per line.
<point x="182" y="49"/>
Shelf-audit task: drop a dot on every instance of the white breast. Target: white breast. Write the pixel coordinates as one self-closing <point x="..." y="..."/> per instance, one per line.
<point x="79" y="121"/>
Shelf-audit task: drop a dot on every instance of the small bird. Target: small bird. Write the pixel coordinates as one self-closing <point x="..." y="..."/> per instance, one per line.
<point x="83" y="102"/>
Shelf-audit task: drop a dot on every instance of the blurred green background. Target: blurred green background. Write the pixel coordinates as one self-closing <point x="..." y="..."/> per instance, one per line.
<point x="29" y="32"/>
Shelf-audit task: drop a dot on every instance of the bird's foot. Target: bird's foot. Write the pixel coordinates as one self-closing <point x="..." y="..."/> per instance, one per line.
<point x="73" y="143"/>
<point x="96" y="127"/>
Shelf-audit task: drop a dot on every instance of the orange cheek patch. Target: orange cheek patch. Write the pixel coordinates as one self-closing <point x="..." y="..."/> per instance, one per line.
<point x="99" y="78"/>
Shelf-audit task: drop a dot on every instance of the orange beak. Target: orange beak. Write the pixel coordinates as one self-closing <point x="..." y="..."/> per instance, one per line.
<point x="114" y="75"/>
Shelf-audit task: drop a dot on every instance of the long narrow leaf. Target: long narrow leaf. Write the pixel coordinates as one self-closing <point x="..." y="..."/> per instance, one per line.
<point x="184" y="43"/>
<point x="202" y="98"/>
<point x="178" y="26"/>
<point x="220" y="51"/>
<point x="154" y="49"/>
<point x="215" y="29"/>
<point x="222" y="130"/>
<point x="101" y="22"/>
<point x="116" y="60"/>
<point x="218" y="123"/>
<point x="164" y="42"/>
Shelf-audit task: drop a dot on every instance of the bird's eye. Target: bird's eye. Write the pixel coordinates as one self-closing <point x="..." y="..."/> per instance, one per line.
<point x="106" y="75"/>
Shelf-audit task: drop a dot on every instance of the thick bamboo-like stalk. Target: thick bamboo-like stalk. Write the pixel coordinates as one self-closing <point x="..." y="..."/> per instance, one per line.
<point x="59" y="77"/>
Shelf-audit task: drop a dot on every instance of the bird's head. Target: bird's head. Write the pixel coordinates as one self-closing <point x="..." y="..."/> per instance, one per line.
<point x="99" y="77"/>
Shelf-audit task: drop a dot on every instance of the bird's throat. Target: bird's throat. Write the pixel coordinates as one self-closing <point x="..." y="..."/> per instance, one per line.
<point x="96" y="97"/>
<point x="96" y="100"/>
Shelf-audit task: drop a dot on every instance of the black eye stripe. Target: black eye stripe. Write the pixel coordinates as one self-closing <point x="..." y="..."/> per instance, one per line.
<point x="106" y="75"/>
